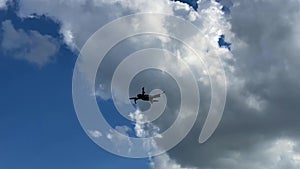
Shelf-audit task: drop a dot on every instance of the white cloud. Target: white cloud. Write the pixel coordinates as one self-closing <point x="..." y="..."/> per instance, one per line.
<point x="84" y="17"/>
<point x="95" y="133"/>
<point x="3" y="4"/>
<point x="30" y="46"/>
<point x="164" y="161"/>
<point x="116" y="137"/>
<point x="147" y="129"/>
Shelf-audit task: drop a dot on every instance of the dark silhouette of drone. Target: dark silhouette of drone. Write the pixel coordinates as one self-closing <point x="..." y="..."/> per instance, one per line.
<point x="146" y="97"/>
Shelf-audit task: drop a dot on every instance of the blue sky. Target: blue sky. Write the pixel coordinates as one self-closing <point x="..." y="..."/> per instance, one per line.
<point x="259" y="46"/>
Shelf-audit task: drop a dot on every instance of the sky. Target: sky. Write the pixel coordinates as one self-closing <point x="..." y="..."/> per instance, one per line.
<point x="257" y="43"/>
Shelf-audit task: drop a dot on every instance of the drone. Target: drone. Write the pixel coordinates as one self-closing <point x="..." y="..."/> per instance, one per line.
<point x="146" y="97"/>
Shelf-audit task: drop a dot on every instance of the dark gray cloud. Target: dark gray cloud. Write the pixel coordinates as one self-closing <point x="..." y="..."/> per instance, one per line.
<point x="260" y="126"/>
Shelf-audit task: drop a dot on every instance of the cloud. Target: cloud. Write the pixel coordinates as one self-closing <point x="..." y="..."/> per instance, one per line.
<point x="278" y="154"/>
<point x="3" y="4"/>
<point x="262" y="91"/>
<point x="90" y="14"/>
<point x="163" y="161"/>
<point x="260" y="126"/>
<point x="30" y="46"/>
<point x="95" y="133"/>
<point x="121" y="143"/>
<point x="146" y="129"/>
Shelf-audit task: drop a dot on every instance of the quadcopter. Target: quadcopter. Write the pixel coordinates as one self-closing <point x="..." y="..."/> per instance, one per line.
<point x="146" y="97"/>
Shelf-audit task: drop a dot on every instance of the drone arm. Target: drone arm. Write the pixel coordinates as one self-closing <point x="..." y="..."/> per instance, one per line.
<point x="134" y="98"/>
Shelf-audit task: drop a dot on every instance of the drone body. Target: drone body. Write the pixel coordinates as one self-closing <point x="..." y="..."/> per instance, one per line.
<point x="145" y="97"/>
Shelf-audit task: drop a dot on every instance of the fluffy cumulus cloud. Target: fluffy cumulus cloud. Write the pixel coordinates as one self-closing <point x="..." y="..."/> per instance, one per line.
<point x="260" y="126"/>
<point x="84" y="17"/>
<point x="30" y="46"/>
